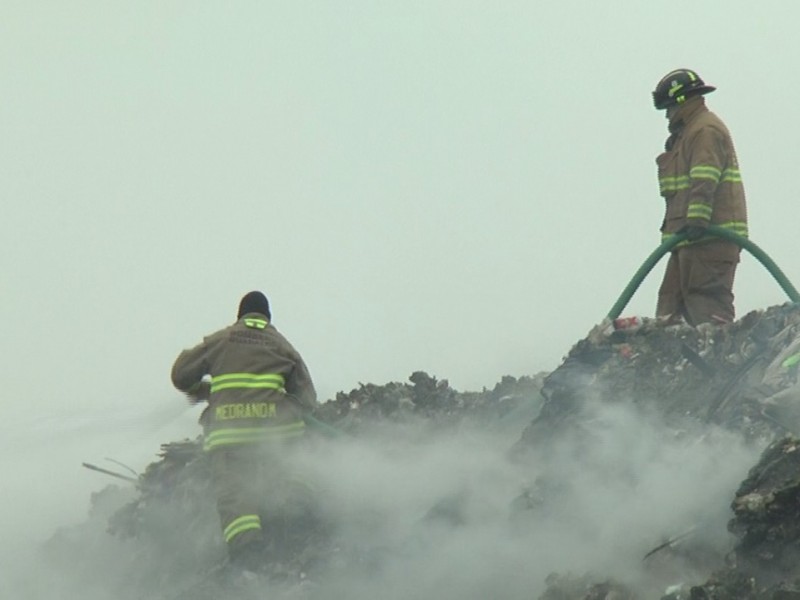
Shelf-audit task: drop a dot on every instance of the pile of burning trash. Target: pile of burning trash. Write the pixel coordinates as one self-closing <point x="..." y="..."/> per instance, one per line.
<point x="169" y="514"/>
<point x="742" y="378"/>
<point x="432" y="403"/>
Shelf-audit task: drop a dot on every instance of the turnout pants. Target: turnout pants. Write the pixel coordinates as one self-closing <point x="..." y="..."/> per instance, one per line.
<point x="254" y="485"/>
<point x="698" y="283"/>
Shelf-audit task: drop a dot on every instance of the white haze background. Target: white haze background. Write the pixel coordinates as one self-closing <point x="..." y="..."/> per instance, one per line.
<point x="458" y="187"/>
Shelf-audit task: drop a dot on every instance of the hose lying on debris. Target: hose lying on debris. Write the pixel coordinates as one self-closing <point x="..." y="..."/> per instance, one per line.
<point x="324" y="428"/>
<point x="669" y="243"/>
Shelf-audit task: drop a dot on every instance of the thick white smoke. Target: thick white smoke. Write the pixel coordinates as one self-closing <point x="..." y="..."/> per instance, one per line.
<point x="417" y="515"/>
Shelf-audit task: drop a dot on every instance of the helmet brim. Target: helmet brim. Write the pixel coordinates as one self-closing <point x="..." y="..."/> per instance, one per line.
<point x="703" y="89"/>
<point x="698" y="91"/>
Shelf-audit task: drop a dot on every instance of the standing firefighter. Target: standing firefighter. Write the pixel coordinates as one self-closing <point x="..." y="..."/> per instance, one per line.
<point x="699" y="178"/>
<point x="258" y="388"/>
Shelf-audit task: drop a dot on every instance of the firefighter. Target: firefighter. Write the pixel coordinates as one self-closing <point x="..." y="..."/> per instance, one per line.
<point x="258" y="388"/>
<point x="699" y="178"/>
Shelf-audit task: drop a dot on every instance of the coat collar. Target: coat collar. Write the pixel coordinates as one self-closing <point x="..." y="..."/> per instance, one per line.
<point x="255" y="320"/>
<point x="686" y="113"/>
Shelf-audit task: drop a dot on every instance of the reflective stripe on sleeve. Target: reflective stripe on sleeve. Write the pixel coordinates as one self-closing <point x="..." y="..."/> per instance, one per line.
<point x="698" y="210"/>
<point x="673" y="184"/>
<point x="737" y="227"/>
<point x="731" y="176"/>
<point x="708" y="172"/>
<point x="705" y="172"/>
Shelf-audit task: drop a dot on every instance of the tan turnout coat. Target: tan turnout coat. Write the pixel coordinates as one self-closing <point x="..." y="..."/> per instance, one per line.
<point x="260" y="385"/>
<point x="698" y="173"/>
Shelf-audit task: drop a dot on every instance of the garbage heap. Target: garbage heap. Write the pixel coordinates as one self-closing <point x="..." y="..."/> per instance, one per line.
<point x="431" y="403"/>
<point x="764" y="564"/>
<point x="167" y="525"/>
<point x="742" y="377"/>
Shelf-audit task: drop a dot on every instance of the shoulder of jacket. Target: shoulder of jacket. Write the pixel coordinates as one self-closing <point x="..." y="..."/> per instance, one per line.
<point x="707" y="123"/>
<point x="284" y="341"/>
<point x="708" y="118"/>
<point x="272" y="331"/>
<point x="218" y="335"/>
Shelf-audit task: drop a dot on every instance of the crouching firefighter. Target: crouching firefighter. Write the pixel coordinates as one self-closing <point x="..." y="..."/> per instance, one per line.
<point x="258" y="388"/>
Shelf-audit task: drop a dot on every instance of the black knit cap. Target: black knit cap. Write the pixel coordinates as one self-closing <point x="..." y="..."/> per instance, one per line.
<point x="254" y="302"/>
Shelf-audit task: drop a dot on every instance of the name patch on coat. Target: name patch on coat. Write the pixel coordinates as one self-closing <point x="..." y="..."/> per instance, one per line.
<point x="250" y="410"/>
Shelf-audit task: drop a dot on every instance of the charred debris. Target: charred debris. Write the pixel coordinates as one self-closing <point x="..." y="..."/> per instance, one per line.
<point x="741" y="377"/>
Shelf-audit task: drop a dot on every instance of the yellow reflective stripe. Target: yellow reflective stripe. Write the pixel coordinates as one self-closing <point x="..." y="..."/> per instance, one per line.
<point x="699" y="211"/>
<point x="705" y="172"/>
<point x="241" y="524"/>
<point x="243" y="385"/>
<point x="731" y="176"/>
<point x="792" y="361"/>
<point x="674" y="89"/>
<point x="709" y="172"/>
<point x="273" y="381"/>
<point x="252" y="435"/>
<point x="739" y="227"/>
<point x="673" y="184"/>
<point x="256" y="323"/>
<point x="250" y="376"/>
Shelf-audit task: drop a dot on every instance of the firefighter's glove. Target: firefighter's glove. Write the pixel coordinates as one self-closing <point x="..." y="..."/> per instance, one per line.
<point x="693" y="232"/>
<point x="199" y="392"/>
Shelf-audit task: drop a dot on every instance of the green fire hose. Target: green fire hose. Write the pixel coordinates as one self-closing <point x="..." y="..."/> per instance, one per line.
<point x="324" y="428"/>
<point x="669" y="243"/>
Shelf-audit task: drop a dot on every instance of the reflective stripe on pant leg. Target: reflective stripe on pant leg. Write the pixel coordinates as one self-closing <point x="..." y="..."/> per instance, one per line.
<point x="240" y="525"/>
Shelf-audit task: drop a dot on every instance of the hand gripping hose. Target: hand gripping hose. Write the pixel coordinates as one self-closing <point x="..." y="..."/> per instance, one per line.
<point x="669" y="243"/>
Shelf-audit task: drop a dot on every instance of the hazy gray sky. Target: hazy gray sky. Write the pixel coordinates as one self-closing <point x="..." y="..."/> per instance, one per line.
<point x="459" y="187"/>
